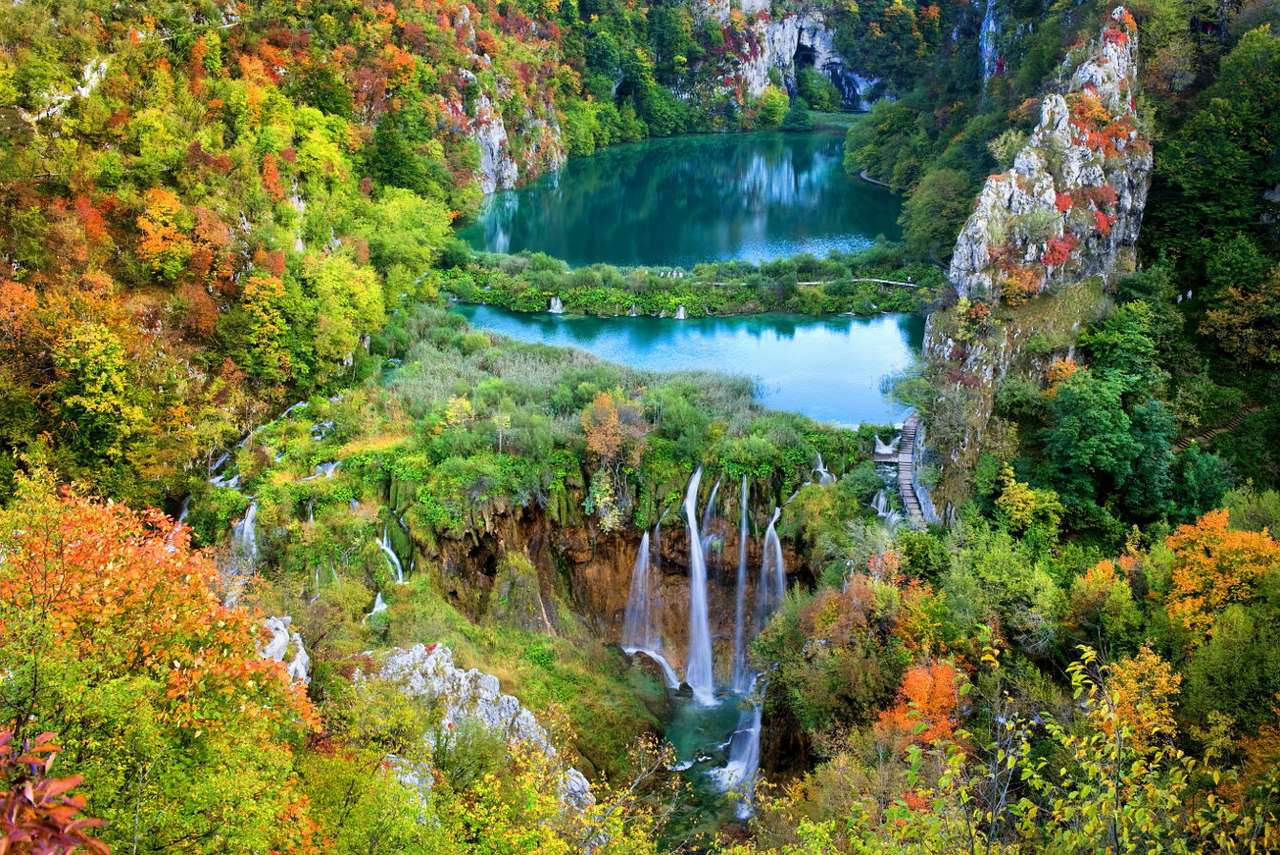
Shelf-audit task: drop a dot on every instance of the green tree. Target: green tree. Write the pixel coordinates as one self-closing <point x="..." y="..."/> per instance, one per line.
<point x="797" y="118"/>
<point x="772" y="107"/>
<point x="407" y="230"/>
<point x="934" y="214"/>
<point x="96" y="398"/>
<point x="1088" y="442"/>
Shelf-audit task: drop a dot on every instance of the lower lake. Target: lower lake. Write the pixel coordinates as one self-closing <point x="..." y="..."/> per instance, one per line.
<point x="829" y="368"/>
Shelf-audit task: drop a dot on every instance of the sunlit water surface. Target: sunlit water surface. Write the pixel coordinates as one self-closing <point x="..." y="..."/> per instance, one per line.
<point x="829" y="368"/>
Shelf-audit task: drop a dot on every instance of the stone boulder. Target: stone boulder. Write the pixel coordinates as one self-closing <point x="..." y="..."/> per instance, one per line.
<point x="427" y="673"/>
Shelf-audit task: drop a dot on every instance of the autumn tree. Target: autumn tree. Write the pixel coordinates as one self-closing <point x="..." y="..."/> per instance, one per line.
<point x="1215" y="566"/>
<point x="96" y="398"/>
<point x="163" y="245"/>
<point x="40" y="813"/>
<point x="925" y="711"/>
<point x="114" y="637"/>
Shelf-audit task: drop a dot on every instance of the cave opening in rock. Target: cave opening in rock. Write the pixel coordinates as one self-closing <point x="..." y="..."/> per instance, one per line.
<point x="805" y="57"/>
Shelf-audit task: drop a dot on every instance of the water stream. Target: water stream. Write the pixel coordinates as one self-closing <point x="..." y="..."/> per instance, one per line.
<point x="699" y="670"/>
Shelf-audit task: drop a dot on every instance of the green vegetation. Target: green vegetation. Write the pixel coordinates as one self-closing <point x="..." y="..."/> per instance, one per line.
<point x="211" y="213"/>
<point x="804" y="284"/>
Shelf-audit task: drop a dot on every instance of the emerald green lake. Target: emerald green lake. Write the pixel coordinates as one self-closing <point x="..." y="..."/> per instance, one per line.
<point x="685" y="200"/>
<point x="828" y="368"/>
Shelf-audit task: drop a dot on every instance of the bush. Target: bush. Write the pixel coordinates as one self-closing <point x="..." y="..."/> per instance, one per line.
<point x="797" y="118"/>
<point x="771" y="109"/>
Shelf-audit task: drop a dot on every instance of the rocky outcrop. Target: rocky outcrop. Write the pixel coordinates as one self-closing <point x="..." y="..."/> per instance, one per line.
<point x="283" y="640"/>
<point x="786" y="44"/>
<point x="470" y="696"/>
<point x="1069" y="211"/>
<point x="516" y="599"/>
<point x="502" y="164"/>
<point x="1072" y="204"/>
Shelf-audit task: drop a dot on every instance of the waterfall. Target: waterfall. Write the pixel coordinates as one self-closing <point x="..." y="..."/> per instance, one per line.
<point x="880" y="504"/>
<point x="739" y="773"/>
<point x="741" y="677"/>
<point x="698" y="672"/>
<point x="680" y="313"/>
<point x="887" y="448"/>
<point x="987" y="42"/>
<point x="709" y="512"/>
<point x="820" y="469"/>
<point x="185" y="510"/>
<point x="393" y="560"/>
<point x="772" y="586"/>
<point x="244" y="541"/>
<point x="639" y="635"/>
<point x="324" y="470"/>
<point x="637" y="627"/>
<point x="379" y="605"/>
<point x="556" y="307"/>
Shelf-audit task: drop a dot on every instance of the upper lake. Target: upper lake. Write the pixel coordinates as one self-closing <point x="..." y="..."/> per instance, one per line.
<point x="829" y="368"/>
<point x="752" y="197"/>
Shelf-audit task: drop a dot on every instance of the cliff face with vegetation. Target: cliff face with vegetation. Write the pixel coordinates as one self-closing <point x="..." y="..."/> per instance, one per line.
<point x="1068" y="211"/>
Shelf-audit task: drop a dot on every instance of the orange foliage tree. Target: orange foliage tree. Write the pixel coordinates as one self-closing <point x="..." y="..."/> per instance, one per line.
<point x="114" y="636"/>
<point x="1215" y="566"/>
<point x="926" y="707"/>
<point x="163" y="244"/>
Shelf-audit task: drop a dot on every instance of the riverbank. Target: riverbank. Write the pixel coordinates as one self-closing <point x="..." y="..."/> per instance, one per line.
<point x="867" y="283"/>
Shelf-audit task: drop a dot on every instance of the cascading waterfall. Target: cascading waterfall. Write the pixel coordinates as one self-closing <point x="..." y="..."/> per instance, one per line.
<point x="709" y="512"/>
<point x="772" y="585"/>
<point x="393" y="560"/>
<point x="739" y="773"/>
<point x="379" y="605"/>
<point x="987" y="42"/>
<point x="244" y="541"/>
<point x="711" y="543"/>
<point x="556" y="307"/>
<point x="637" y="625"/>
<point x="886" y="448"/>
<point x="639" y="635"/>
<point x="820" y="469"/>
<point x="699" y="672"/>
<point x="741" y="675"/>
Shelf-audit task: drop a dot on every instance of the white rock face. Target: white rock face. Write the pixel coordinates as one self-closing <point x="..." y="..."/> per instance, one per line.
<point x="283" y="639"/>
<point x="498" y="171"/>
<point x="537" y="130"/>
<point x="1060" y="161"/>
<point x="1096" y="166"/>
<point x="779" y="40"/>
<point x="427" y="672"/>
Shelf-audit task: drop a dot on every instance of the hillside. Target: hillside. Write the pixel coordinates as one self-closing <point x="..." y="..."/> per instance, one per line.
<point x="293" y="558"/>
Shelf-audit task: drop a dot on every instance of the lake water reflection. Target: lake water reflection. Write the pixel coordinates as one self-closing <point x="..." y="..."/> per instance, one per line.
<point x="686" y="200"/>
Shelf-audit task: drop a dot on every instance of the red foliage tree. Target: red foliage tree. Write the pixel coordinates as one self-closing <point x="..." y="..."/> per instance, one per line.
<point x="38" y="813"/>
<point x="1058" y="250"/>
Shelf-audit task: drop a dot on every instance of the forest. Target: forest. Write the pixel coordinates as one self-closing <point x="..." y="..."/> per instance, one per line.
<point x="295" y="559"/>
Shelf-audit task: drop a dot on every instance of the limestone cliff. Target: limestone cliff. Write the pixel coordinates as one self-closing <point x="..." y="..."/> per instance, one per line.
<point x="786" y="44"/>
<point x="1067" y="213"/>
<point x="512" y="148"/>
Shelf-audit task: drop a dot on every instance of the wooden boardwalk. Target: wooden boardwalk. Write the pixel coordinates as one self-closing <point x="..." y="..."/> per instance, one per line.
<point x="1204" y="437"/>
<point x="906" y="465"/>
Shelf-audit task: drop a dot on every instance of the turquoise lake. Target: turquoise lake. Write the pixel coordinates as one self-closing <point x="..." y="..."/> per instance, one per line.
<point x="828" y="368"/>
<point x="681" y="201"/>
